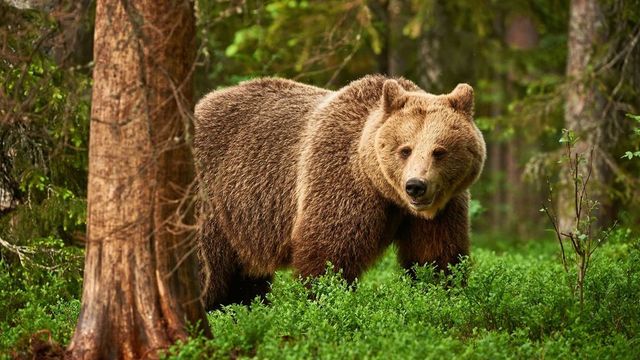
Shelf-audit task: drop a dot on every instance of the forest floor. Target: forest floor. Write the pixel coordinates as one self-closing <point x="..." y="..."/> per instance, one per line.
<point x="518" y="303"/>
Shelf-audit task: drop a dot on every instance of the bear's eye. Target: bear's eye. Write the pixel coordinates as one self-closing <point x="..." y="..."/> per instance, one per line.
<point x="405" y="152"/>
<point x="439" y="153"/>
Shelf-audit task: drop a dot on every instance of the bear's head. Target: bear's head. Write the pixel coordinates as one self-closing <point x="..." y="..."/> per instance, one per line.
<point x="426" y="148"/>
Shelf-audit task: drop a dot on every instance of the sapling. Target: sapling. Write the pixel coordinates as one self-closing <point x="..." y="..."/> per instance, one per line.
<point x="580" y="234"/>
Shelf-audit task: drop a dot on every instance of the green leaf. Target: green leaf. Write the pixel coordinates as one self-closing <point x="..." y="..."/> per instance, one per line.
<point x="634" y="117"/>
<point x="231" y="50"/>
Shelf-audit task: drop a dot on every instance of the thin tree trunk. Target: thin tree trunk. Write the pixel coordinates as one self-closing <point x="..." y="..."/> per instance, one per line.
<point x="140" y="281"/>
<point x="429" y="44"/>
<point x="397" y="11"/>
<point x="496" y="166"/>
<point x="513" y="189"/>
<point x="584" y="111"/>
<point x="519" y="33"/>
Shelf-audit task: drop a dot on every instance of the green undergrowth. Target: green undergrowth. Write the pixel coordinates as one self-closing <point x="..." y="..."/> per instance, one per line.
<point x="515" y="305"/>
<point x="39" y="295"/>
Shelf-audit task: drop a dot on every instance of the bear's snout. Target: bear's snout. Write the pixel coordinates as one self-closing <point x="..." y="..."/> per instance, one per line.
<point x="416" y="187"/>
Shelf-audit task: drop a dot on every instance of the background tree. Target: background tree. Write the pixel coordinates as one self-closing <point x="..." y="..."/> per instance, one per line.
<point x="140" y="282"/>
<point x="584" y="106"/>
<point x="602" y="82"/>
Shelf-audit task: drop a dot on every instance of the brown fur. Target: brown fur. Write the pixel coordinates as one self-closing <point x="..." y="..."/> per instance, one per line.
<point x="299" y="175"/>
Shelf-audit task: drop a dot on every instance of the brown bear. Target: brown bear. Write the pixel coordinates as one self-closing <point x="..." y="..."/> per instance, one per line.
<point x="298" y="176"/>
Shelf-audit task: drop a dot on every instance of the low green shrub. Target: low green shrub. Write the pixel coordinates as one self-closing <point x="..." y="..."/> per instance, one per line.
<point x="39" y="296"/>
<point x="516" y="305"/>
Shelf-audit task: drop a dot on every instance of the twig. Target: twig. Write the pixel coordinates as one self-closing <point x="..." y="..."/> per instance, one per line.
<point x="19" y="250"/>
<point x="557" y="231"/>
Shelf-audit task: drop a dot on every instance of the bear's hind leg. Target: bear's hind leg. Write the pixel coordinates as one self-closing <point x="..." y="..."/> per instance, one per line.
<point x="222" y="276"/>
<point x="218" y="266"/>
<point x="243" y="289"/>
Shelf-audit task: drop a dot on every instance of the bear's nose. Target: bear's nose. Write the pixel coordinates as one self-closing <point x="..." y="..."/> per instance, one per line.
<point x="415" y="187"/>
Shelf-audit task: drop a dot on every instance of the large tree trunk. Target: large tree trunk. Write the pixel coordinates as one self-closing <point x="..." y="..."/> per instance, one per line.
<point x="584" y="111"/>
<point x="140" y="281"/>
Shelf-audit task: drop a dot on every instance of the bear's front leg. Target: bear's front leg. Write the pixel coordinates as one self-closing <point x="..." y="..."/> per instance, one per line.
<point x="351" y="239"/>
<point x="442" y="240"/>
<point x="346" y="253"/>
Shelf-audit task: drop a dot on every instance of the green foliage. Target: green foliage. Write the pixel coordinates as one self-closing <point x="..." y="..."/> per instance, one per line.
<point x="311" y="41"/>
<point x="475" y="208"/>
<point x="44" y="134"/>
<point x="44" y="111"/>
<point x="514" y="305"/>
<point x="42" y="292"/>
<point x="636" y="133"/>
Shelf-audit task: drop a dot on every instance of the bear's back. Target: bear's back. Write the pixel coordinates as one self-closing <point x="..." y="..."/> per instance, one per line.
<point x="247" y="139"/>
<point x="262" y="106"/>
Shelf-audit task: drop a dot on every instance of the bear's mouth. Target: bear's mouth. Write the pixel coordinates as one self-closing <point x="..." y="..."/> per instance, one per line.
<point x="423" y="203"/>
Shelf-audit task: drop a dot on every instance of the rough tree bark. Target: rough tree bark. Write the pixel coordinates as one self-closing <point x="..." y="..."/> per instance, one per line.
<point x="584" y="111"/>
<point x="140" y="281"/>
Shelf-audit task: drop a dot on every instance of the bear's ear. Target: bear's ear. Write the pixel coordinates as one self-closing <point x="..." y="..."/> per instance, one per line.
<point x="393" y="96"/>
<point x="461" y="98"/>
